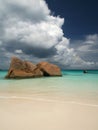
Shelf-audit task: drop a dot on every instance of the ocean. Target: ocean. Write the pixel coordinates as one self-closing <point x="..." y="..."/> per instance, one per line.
<point x="74" y="86"/>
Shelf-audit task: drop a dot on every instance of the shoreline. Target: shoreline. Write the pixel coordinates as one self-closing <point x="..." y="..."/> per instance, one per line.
<point x="50" y="100"/>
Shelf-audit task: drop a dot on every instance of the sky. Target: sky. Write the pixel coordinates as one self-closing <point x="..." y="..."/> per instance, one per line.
<point x="63" y="32"/>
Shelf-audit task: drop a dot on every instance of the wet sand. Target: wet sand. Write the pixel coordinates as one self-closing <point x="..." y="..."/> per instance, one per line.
<point x="26" y="114"/>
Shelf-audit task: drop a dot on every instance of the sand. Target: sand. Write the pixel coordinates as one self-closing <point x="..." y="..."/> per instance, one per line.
<point x="43" y="114"/>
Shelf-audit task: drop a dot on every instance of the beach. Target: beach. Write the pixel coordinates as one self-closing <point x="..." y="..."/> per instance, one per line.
<point x="22" y="114"/>
<point x="48" y="65"/>
<point x="56" y="103"/>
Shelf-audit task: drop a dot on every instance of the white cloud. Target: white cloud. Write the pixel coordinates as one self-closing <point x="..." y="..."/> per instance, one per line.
<point x="28" y="30"/>
<point x="87" y="50"/>
<point x="84" y="48"/>
<point x="18" y="51"/>
<point x="90" y="43"/>
<point x="44" y="33"/>
<point x="91" y="39"/>
<point x="35" y="10"/>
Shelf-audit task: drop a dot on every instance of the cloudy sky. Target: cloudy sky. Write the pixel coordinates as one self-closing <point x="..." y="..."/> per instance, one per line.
<point x="57" y="31"/>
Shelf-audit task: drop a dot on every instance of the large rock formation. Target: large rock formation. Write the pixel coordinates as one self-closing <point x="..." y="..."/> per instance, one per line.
<point x="25" y="69"/>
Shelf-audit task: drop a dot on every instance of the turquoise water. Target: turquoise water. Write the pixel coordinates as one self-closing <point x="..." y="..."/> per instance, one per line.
<point x="72" y="86"/>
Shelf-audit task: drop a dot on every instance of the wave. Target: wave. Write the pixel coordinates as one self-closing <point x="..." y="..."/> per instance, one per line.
<point x="48" y="100"/>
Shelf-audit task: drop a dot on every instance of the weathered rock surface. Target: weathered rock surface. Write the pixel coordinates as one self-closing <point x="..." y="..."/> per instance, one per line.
<point x="49" y="69"/>
<point x="25" y="69"/>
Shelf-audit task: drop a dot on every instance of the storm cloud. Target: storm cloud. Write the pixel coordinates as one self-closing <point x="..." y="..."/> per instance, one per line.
<point x="30" y="31"/>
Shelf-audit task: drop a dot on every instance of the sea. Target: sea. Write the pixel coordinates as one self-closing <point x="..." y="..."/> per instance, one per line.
<point x="74" y="86"/>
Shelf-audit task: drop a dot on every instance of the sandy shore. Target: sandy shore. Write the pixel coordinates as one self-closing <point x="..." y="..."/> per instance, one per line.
<point x="26" y="114"/>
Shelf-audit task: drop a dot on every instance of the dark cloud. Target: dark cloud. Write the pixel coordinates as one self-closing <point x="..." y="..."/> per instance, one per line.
<point x="39" y="52"/>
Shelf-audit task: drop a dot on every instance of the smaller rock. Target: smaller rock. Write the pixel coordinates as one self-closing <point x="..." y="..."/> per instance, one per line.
<point x="49" y="69"/>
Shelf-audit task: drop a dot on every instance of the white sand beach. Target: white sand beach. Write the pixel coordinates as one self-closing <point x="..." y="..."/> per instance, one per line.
<point x="42" y="114"/>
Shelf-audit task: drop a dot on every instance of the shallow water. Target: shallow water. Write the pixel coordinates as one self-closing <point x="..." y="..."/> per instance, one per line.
<point x="73" y="86"/>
